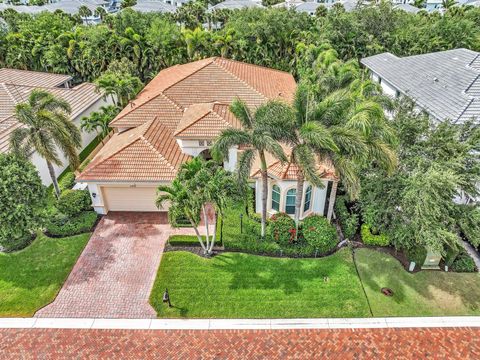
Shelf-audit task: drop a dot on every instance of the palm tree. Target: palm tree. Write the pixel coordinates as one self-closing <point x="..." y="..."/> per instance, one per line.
<point x="46" y="129"/>
<point x="447" y="4"/>
<point x="260" y="134"/>
<point x="84" y="12"/>
<point x="311" y="139"/>
<point x="98" y="121"/>
<point x="121" y="87"/>
<point x="100" y="12"/>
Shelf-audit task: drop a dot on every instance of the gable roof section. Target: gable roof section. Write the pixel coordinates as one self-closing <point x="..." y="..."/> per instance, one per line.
<point x="446" y="84"/>
<point x="289" y="171"/>
<point x="147" y="153"/>
<point x="32" y="78"/>
<point x="205" y="121"/>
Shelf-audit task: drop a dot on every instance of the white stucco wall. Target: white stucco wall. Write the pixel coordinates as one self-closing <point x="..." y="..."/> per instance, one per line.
<point x="318" y="196"/>
<point x="193" y="148"/>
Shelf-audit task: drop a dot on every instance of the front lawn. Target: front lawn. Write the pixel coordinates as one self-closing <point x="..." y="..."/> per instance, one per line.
<point x="235" y="285"/>
<point x="31" y="278"/>
<point x="426" y="293"/>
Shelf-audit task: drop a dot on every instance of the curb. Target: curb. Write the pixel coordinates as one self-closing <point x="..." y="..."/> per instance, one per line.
<point x="239" y="324"/>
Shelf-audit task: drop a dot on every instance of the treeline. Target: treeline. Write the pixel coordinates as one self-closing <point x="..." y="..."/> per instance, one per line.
<point x="276" y="38"/>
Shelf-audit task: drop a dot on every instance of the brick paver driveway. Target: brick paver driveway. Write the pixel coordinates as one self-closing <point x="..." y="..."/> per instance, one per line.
<point x="115" y="273"/>
<point x="425" y="343"/>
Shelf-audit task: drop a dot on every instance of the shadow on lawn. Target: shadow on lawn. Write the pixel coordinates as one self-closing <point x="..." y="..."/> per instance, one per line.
<point x="432" y="285"/>
<point x="290" y="275"/>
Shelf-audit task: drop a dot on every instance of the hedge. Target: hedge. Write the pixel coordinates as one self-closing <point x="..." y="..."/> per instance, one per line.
<point x="185" y="240"/>
<point x="319" y="234"/>
<point x="373" y="240"/>
<point x="73" y="202"/>
<point x="463" y="263"/>
<point x="349" y="222"/>
<point x="62" y="226"/>
<point x="417" y="255"/>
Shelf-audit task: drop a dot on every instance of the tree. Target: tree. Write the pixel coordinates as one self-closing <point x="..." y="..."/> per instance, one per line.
<point x="46" y="129"/>
<point x="101" y="12"/>
<point x="21" y="195"/>
<point x="311" y="139"/>
<point x="198" y="185"/>
<point x="98" y="121"/>
<point x="415" y="205"/>
<point x="127" y="3"/>
<point x="260" y="134"/>
<point x="448" y="4"/>
<point x="84" y="12"/>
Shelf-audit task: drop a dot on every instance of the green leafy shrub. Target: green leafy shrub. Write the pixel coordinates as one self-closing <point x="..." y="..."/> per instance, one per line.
<point x="185" y="240"/>
<point x="463" y="263"/>
<point x="61" y="225"/>
<point x="451" y="255"/>
<point x="21" y="197"/>
<point x="373" y="240"/>
<point x="282" y="228"/>
<point x="417" y="255"/>
<point x="67" y="181"/>
<point x="348" y="221"/>
<point x="319" y="234"/>
<point x="73" y="202"/>
<point x="469" y="224"/>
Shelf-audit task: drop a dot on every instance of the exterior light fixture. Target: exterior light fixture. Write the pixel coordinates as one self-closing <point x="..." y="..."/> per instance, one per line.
<point x="166" y="298"/>
<point x="94" y="195"/>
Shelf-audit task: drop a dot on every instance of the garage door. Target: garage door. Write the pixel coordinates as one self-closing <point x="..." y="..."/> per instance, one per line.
<point x="130" y="198"/>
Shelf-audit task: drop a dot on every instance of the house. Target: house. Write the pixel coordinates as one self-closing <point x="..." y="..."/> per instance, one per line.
<point x="235" y="5"/>
<point x="445" y="84"/>
<point x="407" y="8"/>
<point x="16" y="86"/>
<point x="310" y="7"/>
<point x="177" y="116"/>
<point x="149" y="6"/>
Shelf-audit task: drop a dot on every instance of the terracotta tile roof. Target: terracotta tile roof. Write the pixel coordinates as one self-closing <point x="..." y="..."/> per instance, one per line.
<point x="205" y="121"/>
<point x="146" y="153"/>
<point x="184" y="101"/>
<point x="32" y="78"/>
<point x="289" y="170"/>
<point x="80" y="99"/>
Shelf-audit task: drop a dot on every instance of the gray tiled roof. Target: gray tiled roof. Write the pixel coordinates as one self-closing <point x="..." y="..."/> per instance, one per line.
<point x="235" y="4"/>
<point x="407" y="8"/>
<point x="446" y="84"/>
<point x="146" y="6"/>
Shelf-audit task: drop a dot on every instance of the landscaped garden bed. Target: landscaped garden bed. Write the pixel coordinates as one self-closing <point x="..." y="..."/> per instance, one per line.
<point x="32" y="277"/>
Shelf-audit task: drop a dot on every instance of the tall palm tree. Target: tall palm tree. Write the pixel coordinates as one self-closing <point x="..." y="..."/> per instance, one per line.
<point x="46" y="128"/>
<point x="98" y="121"/>
<point x="84" y="12"/>
<point x="311" y="139"/>
<point x="260" y="134"/>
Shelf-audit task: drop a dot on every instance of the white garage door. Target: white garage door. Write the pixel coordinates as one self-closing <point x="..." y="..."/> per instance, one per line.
<point x="130" y="198"/>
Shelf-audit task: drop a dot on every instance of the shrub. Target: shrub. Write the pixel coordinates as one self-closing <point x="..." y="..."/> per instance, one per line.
<point x="451" y="255"/>
<point x="73" y="202"/>
<point x="373" y="240"/>
<point x="61" y="225"/>
<point x="282" y="228"/>
<point x="469" y="224"/>
<point x="348" y="221"/>
<point x="67" y="181"/>
<point x="186" y="240"/>
<point x="21" y="198"/>
<point x="417" y="255"/>
<point x="319" y="234"/>
<point x="463" y="263"/>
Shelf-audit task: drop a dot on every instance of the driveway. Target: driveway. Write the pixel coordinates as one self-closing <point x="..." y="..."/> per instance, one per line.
<point x="114" y="275"/>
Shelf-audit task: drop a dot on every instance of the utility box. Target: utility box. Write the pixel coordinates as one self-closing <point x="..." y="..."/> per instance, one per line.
<point x="432" y="261"/>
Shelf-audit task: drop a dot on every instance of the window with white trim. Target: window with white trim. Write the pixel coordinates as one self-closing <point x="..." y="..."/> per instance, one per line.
<point x="275" y="198"/>
<point x="308" y="198"/>
<point x="290" y="201"/>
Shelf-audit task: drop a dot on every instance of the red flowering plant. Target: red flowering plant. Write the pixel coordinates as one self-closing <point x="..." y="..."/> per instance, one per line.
<point x="282" y="228"/>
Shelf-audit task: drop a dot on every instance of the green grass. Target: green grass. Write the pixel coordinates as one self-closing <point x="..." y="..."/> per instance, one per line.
<point x="235" y="285"/>
<point x="31" y="278"/>
<point x="426" y="293"/>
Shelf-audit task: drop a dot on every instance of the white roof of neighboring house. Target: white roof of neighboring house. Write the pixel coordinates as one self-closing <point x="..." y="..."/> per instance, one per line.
<point x="67" y="6"/>
<point x="446" y="84"/>
<point x="146" y="6"/>
<point x="236" y="4"/>
<point x="408" y="8"/>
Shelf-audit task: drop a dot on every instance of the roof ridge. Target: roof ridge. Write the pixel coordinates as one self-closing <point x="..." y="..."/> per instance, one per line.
<point x="241" y="80"/>
<point x="464" y="110"/>
<point x="212" y="59"/>
<point x="471" y="84"/>
<point x="250" y="64"/>
<point x="150" y="145"/>
<point x="218" y="115"/>
<point x="9" y="93"/>
<point x="193" y="123"/>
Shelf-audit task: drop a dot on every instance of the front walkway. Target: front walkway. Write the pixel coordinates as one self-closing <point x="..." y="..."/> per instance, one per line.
<point x="115" y="273"/>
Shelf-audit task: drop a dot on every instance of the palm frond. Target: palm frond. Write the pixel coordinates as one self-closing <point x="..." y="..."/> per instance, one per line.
<point x="240" y="109"/>
<point x="228" y="138"/>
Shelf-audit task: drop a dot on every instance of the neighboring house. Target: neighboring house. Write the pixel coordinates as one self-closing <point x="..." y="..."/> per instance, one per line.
<point x="177" y="116"/>
<point x="433" y="5"/>
<point x="149" y="6"/>
<point x="310" y="7"/>
<point x="407" y="8"/>
<point x="236" y="4"/>
<point x="444" y="84"/>
<point x="16" y="86"/>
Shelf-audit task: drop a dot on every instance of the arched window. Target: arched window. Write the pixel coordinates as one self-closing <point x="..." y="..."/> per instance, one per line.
<point x="308" y="198"/>
<point x="290" y="201"/>
<point x="275" y="197"/>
